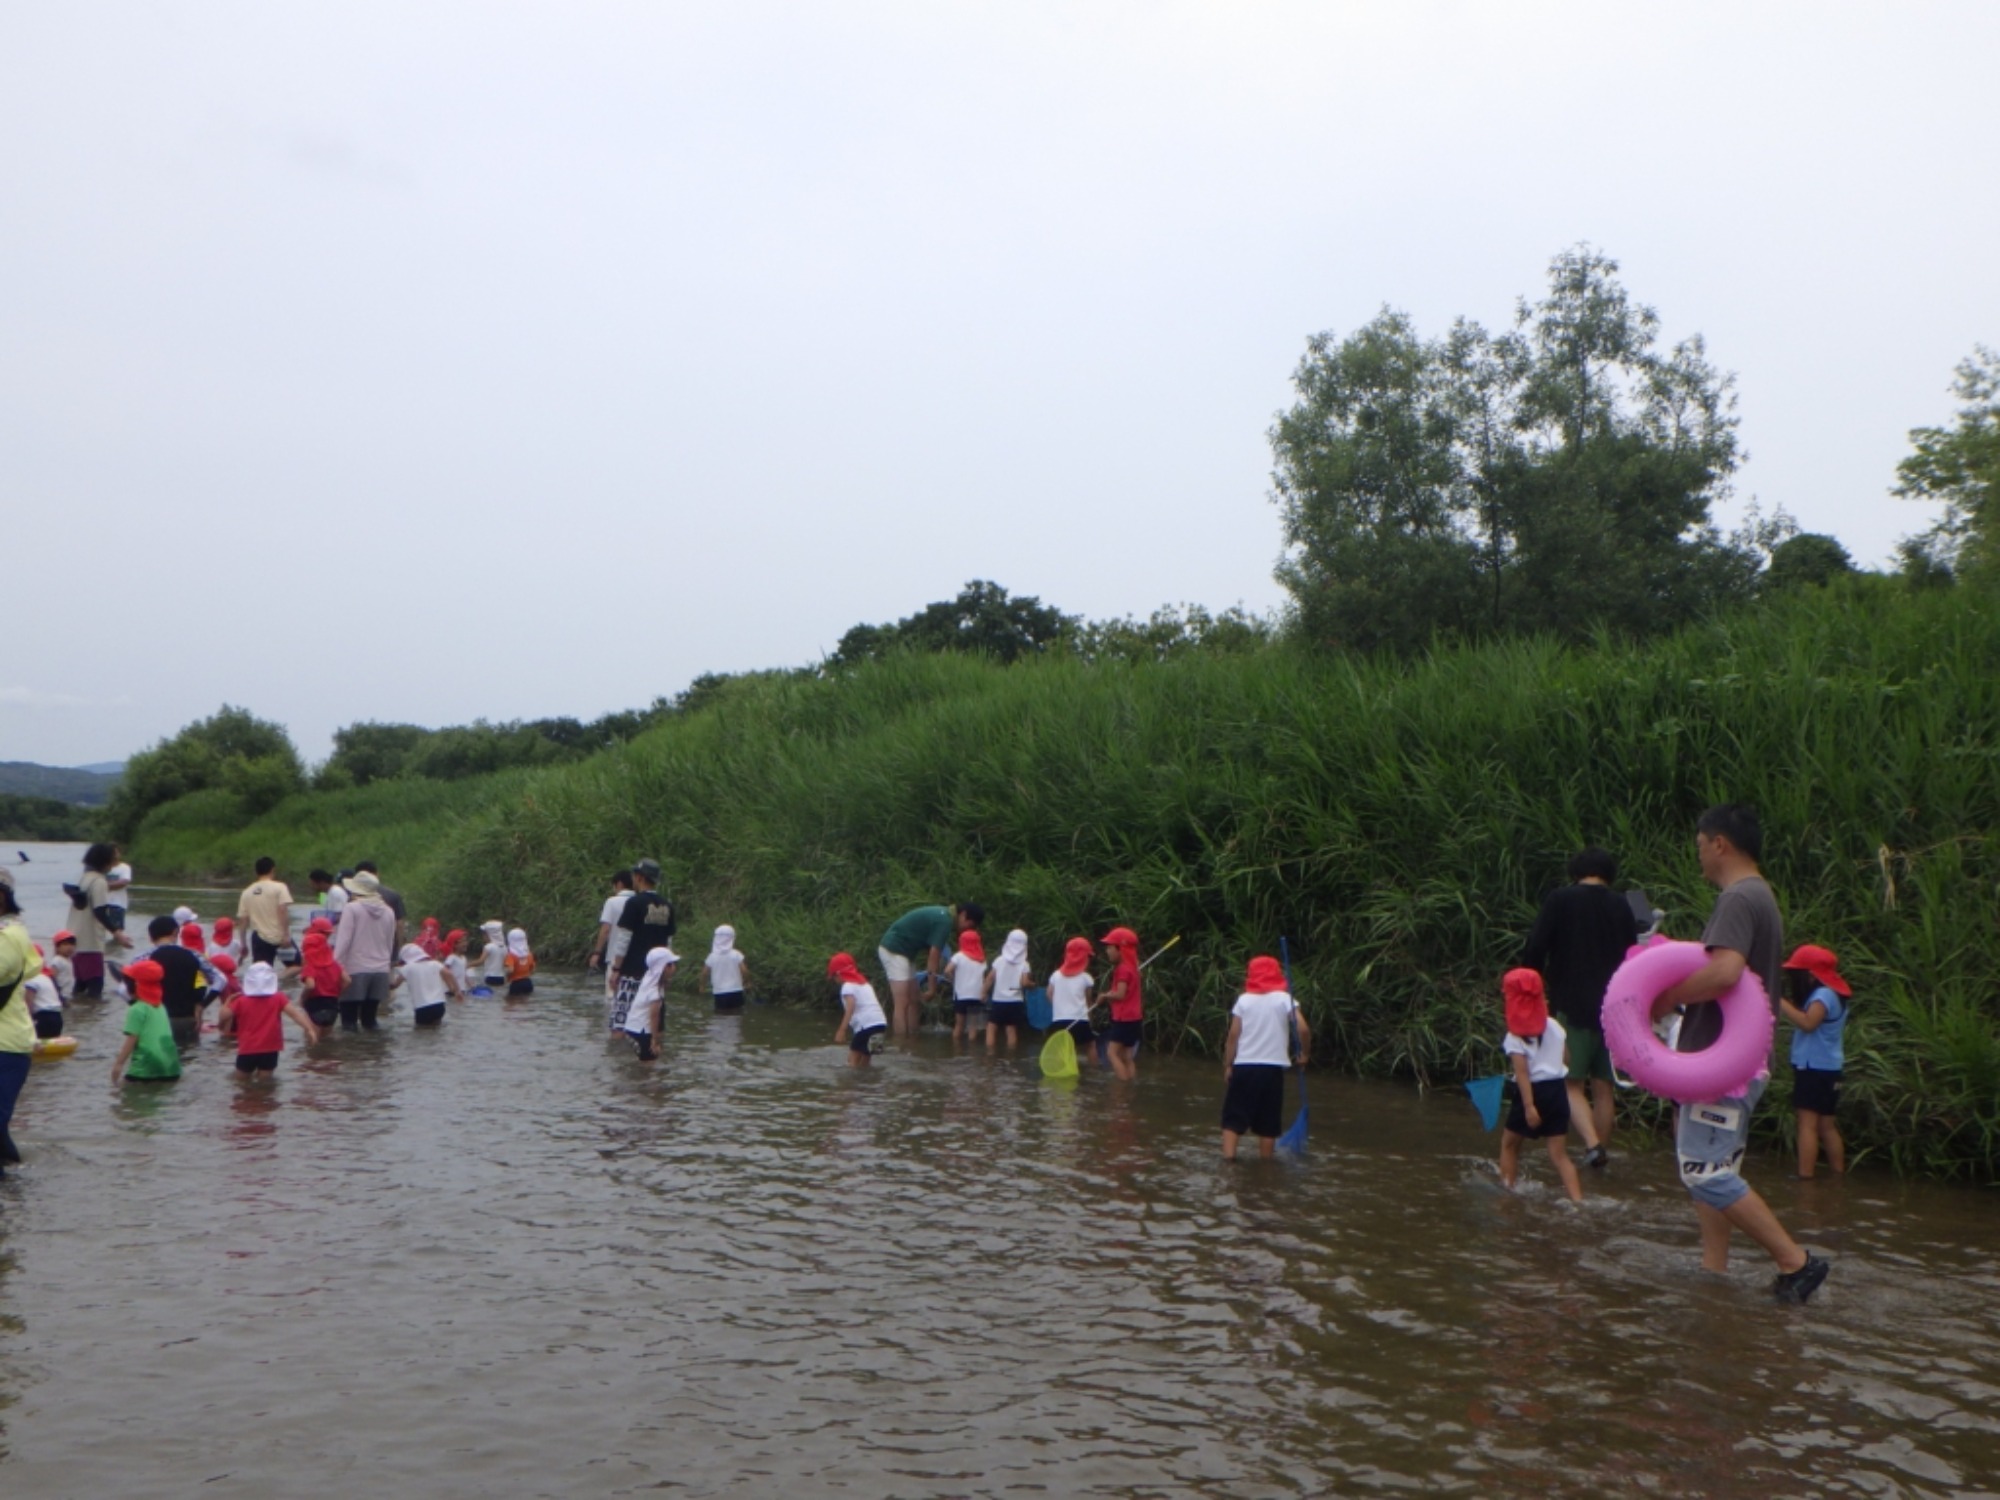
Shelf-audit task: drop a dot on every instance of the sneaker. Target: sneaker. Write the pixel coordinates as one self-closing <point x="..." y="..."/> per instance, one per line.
<point x="1596" y="1156"/>
<point x="1796" y="1286"/>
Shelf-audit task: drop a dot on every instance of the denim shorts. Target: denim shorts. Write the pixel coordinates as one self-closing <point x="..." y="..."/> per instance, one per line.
<point x="1709" y="1141"/>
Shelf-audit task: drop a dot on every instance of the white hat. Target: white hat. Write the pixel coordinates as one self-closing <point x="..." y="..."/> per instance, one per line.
<point x="260" y="979"/>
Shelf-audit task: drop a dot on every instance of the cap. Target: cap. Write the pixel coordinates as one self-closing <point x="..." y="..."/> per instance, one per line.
<point x="650" y="868"/>
<point x="65" y="936"/>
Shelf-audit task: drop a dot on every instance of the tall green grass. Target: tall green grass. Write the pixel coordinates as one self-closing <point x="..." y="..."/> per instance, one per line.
<point x="1398" y="821"/>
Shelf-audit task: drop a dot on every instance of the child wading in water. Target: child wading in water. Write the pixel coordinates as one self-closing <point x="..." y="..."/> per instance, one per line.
<point x="322" y="978"/>
<point x="259" y="1016"/>
<point x="967" y="968"/>
<point x="493" y="957"/>
<point x="728" y="971"/>
<point x="642" y="1017"/>
<point x="1069" y="994"/>
<point x="520" y="965"/>
<point x="1258" y="1053"/>
<point x="1817" y="1006"/>
<point x="1536" y="1042"/>
<point x="861" y="1018"/>
<point x="148" y="1053"/>
<point x="429" y="981"/>
<point x="1127" y="1008"/>
<point x="1007" y="991"/>
<point x="453" y="960"/>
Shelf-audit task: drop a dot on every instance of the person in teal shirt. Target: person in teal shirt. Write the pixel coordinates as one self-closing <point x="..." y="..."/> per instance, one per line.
<point x="148" y="1053"/>
<point x="921" y="936"/>
<point x="1817" y="1007"/>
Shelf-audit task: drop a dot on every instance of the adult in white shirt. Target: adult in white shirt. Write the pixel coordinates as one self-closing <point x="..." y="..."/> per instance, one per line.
<point x="1264" y="1026"/>
<point x="612" y="940"/>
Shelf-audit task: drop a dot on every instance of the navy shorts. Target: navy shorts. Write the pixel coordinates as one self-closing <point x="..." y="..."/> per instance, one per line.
<point x="429" y="1015"/>
<point x="1254" y="1103"/>
<point x="1816" y="1089"/>
<point x="861" y="1041"/>
<point x="521" y="987"/>
<point x="729" y="1001"/>
<point x="967" y="1007"/>
<point x="1079" y="1031"/>
<point x="1125" y="1033"/>
<point x="1007" y="1013"/>
<point x="256" y="1062"/>
<point x="1551" y="1103"/>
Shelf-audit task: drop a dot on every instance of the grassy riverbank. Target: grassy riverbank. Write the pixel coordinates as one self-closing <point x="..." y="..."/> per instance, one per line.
<point x="1397" y="821"/>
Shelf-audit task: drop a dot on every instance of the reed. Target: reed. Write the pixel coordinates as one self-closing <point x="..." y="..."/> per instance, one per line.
<point x="1398" y="821"/>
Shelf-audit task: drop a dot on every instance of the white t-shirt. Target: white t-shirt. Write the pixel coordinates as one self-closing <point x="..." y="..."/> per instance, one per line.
<point x="725" y="973"/>
<point x="1069" y="996"/>
<point x="425" y="982"/>
<point x="65" y="974"/>
<point x="1545" y="1055"/>
<point x="968" y="977"/>
<point x="1007" y="981"/>
<point x="621" y="937"/>
<point x="867" y="1009"/>
<point x="122" y="896"/>
<point x="334" y="901"/>
<point x="42" y="993"/>
<point x="493" y="962"/>
<point x="1264" y="1037"/>
<point x="456" y="963"/>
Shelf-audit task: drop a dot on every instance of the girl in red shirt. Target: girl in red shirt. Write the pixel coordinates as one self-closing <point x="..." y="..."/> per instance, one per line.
<point x="1127" y="1005"/>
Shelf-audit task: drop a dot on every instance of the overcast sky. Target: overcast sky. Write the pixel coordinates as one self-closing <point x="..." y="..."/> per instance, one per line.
<point x="423" y="362"/>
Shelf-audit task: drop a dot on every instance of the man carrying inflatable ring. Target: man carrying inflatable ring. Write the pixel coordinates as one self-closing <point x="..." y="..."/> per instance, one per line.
<point x="1744" y="937"/>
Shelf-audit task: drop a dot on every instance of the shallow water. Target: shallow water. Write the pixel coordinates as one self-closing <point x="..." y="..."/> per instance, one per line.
<point x="507" y="1259"/>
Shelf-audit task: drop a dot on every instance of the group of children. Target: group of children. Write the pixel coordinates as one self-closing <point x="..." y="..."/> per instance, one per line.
<point x="171" y="985"/>
<point x="1536" y="1047"/>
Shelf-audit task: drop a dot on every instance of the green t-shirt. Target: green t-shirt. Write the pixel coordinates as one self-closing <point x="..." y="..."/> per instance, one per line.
<point x="915" y="934"/>
<point x="154" y="1055"/>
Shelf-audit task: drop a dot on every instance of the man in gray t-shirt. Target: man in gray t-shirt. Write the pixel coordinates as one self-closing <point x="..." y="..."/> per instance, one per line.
<point x="1745" y="934"/>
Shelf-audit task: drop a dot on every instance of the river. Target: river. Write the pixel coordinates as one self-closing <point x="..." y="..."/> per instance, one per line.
<point x="505" y="1259"/>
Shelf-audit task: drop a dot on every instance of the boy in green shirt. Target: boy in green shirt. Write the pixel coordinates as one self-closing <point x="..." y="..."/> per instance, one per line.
<point x="149" y="1036"/>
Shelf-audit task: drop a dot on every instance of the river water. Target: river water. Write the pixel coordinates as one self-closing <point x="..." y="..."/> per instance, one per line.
<point x="506" y="1259"/>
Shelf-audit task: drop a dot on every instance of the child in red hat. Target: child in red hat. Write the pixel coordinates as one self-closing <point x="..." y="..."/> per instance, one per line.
<point x="967" y="968"/>
<point x="1069" y="993"/>
<point x="1127" y="1006"/>
<point x="1540" y="1050"/>
<point x="1817" y="1007"/>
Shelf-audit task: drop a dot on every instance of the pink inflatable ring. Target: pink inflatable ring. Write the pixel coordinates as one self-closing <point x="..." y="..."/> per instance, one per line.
<point x="1738" y="1055"/>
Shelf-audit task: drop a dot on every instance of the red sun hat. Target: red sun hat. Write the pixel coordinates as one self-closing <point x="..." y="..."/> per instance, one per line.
<point x="321" y="925"/>
<point x="146" y="976"/>
<point x="1821" y="964"/>
<point x="1527" y="1002"/>
<point x="972" y="945"/>
<point x="1267" y="976"/>
<point x="191" y="935"/>
<point x="65" y="936"/>
<point x="225" y="963"/>
<point x="842" y="967"/>
<point x="225" y="929"/>
<point x="1076" y="956"/>
<point x="1124" y="939"/>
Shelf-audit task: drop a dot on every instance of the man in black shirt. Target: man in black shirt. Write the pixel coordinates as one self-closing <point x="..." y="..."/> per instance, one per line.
<point x="183" y="989"/>
<point x="1578" y="943"/>
<point x="649" y="917"/>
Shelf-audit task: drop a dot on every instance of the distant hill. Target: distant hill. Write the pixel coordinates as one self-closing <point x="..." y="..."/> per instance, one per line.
<point x="111" y="768"/>
<point x="22" y="778"/>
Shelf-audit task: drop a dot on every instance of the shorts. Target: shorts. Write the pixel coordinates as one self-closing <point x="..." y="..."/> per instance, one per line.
<point x="320" y="1010"/>
<point x="1551" y="1103"/>
<point x="967" y="1007"/>
<point x="48" y="1024"/>
<point x="621" y="1001"/>
<point x="729" y="1001"/>
<point x="1007" y="1013"/>
<point x="365" y="987"/>
<point x="863" y="1041"/>
<point x="262" y="952"/>
<point x="1816" y="1089"/>
<point x="1709" y="1141"/>
<point x="256" y="1062"/>
<point x="1588" y="1056"/>
<point x="896" y="967"/>
<point x="521" y="987"/>
<point x="429" y="1015"/>
<point x="1254" y="1103"/>
<point x="1126" y="1033"/>
<point x="1079" y="1032"/>
<point x="498" y="981"/>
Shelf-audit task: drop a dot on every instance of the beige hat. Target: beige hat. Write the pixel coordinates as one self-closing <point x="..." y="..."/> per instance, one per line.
<point x="364" y="885"/>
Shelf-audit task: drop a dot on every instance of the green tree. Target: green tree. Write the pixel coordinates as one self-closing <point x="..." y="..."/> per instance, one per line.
<point x="1807" y="560"/>
<point x="1555" y="477"/>
<point x="983" y="620"/>
<point x="1960" y="466"/>
<point x="232" y="751"/>
<point x="368" y="752"/>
